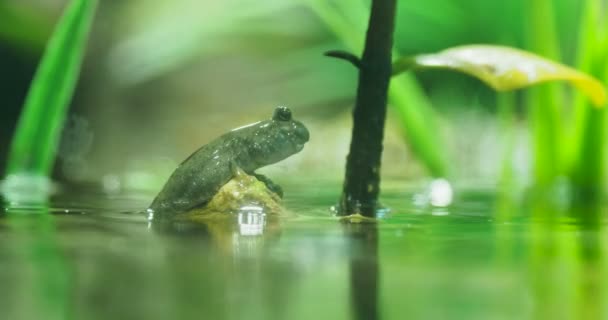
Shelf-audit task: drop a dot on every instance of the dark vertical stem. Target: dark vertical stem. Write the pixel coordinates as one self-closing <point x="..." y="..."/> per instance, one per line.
<point x="361" y="184"/>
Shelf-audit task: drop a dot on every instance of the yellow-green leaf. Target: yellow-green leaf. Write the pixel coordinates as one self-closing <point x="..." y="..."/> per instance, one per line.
<point x="505" y="68"/>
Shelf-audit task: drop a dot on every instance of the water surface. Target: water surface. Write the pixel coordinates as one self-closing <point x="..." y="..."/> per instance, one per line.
<point x="96" y="257"/>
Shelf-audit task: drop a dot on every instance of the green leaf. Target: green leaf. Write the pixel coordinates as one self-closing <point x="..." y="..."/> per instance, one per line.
<point x="30" y="38"/>
<point x="39" y="128"/>
<point x="505" y="68"/>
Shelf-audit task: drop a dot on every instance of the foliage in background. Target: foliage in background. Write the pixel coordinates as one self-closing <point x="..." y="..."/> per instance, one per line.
<point x="587" y="151"/>
<point x="347" y="20"/>
<point x="545" y="103"/>
<point x="501" y="68"/>
<point x="561" y="147"/>
<point x="34" y="145"/>
<point x="32" y="31"/>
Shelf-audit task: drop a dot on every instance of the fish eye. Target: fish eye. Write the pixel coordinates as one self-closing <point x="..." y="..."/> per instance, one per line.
<point x="282" y="114"/>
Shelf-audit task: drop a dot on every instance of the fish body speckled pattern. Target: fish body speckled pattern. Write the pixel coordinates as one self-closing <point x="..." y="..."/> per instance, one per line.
<point x="203" y="173"/>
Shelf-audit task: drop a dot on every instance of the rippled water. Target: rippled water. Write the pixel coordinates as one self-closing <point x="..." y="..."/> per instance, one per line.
<point x="95" y="257"/>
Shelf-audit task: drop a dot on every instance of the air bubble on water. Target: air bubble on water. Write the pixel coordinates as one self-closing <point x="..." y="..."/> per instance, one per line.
<point x="382" y="212"/>
<point x="438" y="193"/>
<point x="111" y="183"/>
<point x="150" y="214"/>
<point x="334" y="210"/>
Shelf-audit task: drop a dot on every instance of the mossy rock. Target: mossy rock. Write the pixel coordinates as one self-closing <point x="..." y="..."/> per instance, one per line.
<point x="243" y="192"/>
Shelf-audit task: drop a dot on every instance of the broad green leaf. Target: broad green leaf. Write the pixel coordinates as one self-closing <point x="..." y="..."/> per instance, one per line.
<point x="505" y="68"/>
<point x="38" y="130"/>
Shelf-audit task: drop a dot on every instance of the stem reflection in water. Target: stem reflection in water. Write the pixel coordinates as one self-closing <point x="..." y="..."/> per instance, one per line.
<point x="364" y="270"/>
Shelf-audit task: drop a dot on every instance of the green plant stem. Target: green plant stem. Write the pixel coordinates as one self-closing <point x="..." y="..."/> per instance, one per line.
<point x="34" y="145"/>
<point x="544" y="101"/>
<point x="420" y="124"/>
<point x="590" y="123"/>
<point x="362" y="180"/>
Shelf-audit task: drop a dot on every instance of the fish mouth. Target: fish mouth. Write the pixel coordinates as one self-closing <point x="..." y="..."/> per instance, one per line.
<point x="300" y="146"/>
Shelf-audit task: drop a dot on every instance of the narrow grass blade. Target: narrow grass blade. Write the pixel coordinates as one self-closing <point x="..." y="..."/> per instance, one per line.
<point x="544" y="102"/>
<point x="38" y="131"/>
<point x="589" y="144"/>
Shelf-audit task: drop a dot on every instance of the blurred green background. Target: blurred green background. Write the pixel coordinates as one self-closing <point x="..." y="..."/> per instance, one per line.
<point x="162" y="78"/>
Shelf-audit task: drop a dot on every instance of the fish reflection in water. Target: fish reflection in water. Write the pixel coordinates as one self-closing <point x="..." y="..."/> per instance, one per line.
<point x="233" y="233"/>
<point x="247" y="243"/>
<point x="242" y="272"/>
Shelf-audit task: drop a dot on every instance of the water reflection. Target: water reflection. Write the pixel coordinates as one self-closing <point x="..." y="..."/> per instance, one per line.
<point x="35" y="278"/>
<point x="364" y="269"/>
<point x="232" y="257"/>
<point x="253" y="266"/>
<point x="567" y="264"/>
<point x="251" y="220"/>
<point x="438" y="193"/>
<point x="591" y="290"/>
<point x="237" y="234"/>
